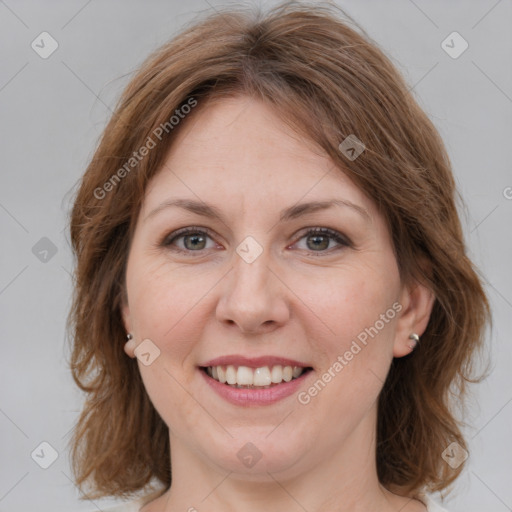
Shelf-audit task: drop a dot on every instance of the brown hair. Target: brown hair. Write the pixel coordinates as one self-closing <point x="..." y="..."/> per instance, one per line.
<point x="327" y="81"/>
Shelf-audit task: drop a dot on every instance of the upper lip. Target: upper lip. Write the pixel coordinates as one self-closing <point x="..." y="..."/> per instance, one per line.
<point x="253" y="362"/>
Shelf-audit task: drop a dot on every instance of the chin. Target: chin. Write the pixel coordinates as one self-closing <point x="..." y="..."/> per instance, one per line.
<point x="253" y="453"/>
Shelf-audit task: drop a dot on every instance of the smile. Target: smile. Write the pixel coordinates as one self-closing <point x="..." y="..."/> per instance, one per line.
<point x="244" y="377"/>
<point x="257" y="381"/>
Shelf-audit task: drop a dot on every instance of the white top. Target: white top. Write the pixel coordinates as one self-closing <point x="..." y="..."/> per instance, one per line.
<point x="135" y="506"/>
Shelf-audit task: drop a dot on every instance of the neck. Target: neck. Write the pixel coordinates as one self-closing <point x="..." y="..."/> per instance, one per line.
<point x="345" y="481"/>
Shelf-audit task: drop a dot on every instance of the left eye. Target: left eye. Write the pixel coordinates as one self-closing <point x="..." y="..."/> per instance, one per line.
<point x="319" y="239"/>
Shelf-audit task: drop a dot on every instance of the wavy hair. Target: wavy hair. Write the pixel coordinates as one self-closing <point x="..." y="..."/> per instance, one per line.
<point x="327" y="80"/>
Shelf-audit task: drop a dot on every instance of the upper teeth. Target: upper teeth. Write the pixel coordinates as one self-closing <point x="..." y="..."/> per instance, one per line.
<point x="245" y="376"/>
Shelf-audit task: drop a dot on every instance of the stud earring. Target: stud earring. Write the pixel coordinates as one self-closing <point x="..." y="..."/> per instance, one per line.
<point x="415" y="340"/>
<point x="130" y="345"/>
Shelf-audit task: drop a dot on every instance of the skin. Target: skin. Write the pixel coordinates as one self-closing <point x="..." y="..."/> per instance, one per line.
<point x="295" y="300"/>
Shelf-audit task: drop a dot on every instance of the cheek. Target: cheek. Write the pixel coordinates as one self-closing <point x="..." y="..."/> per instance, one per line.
<point x="163" y="300"/>
<point x="353" y="329"/>
<point x="167" y="389"/>
<point x="164" y="305"/>
<point x="349" y="302"/>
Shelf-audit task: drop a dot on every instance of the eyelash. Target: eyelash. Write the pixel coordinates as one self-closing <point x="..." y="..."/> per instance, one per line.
<point x="334" y="235"/>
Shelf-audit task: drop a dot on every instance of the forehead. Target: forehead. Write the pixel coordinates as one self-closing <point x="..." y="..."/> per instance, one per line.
<point x="239" y="148"/>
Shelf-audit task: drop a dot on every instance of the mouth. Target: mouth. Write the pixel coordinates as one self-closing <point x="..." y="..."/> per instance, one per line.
<point x="256" y="381"/>
<point x="263" y="377"/>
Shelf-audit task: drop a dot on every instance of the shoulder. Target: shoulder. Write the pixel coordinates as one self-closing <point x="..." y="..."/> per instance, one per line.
<point x="432" y="506"/>
<point x="136" y="504"/>
<point x="130" y="506"/>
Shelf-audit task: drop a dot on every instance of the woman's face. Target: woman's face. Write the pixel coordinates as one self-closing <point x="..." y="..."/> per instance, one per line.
<point x="251" y="290"/>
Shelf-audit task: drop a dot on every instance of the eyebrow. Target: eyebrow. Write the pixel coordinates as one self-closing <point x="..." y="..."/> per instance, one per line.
<point x="293" y="212"/>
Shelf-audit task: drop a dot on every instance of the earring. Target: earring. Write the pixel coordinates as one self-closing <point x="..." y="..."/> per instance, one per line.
<point x="415" y="340"/>
<point x="130" y="345"/>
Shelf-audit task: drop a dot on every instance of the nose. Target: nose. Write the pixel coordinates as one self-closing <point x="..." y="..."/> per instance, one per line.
<point x="253" y="297"/>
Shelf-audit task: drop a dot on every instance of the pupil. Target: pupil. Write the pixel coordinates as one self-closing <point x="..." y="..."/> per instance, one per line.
<point x="320" y="238"/>
<point x="195" y="238"/>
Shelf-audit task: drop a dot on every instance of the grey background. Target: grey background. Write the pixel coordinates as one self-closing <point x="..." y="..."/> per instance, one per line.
<point x="52" y="113"/>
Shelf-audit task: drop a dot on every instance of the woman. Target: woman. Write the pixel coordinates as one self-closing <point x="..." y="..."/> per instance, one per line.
<point x="273" y="296"/>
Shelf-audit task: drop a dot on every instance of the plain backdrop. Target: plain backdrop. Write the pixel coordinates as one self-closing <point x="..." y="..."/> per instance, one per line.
<point x="52" y="112"/>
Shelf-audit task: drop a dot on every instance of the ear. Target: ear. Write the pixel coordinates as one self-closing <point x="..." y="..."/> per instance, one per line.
<point x="130" y="345"/>
<point x="417" y="301"/>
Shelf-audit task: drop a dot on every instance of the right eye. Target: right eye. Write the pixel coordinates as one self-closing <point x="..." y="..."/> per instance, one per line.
<point x="193" y="240"/>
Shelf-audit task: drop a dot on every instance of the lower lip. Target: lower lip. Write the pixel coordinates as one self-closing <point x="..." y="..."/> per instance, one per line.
<point x="248" y="397"/>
